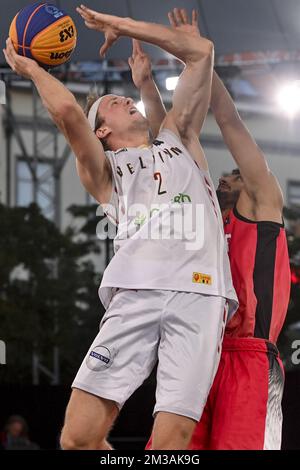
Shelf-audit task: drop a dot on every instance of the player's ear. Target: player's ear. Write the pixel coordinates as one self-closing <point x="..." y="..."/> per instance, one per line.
<point x="103" y="132"/>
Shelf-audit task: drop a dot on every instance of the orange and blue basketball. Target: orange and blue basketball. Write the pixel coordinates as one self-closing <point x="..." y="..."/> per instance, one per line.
<point x="43" y="32"/>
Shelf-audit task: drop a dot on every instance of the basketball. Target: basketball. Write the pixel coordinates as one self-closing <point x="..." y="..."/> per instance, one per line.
<point x="45" y="33"/>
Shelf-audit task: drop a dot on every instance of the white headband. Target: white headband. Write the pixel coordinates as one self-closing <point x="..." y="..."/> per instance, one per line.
<point x="94" y="111"/>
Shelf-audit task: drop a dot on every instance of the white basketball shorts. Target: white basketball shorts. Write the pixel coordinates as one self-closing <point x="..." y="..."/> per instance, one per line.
<point x="182" y="330"/>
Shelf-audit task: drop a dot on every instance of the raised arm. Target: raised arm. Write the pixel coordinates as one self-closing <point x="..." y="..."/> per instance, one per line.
<point x="192" y="95"/>
<point x="93" y="167"/>
<point x="185" y="45"/>
<point x="260" y="184"/>
<point x="142" y="77"/>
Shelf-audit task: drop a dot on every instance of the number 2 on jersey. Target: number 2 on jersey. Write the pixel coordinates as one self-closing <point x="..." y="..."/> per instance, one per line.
<point x="157" y="176"/>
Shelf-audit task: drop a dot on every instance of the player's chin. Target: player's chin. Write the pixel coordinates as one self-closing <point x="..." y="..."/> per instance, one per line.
<point x="137" y="115"/>
<point x="139" y="118"/>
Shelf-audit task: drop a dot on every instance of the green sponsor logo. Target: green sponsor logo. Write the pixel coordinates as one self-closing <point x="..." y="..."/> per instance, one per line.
<point x="181" y="198"/>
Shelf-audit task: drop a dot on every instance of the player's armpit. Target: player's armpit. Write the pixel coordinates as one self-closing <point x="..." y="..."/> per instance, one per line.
<point x="268" y="193"/>
<point x="191" y="143"/>
<point x="100" y="187"/>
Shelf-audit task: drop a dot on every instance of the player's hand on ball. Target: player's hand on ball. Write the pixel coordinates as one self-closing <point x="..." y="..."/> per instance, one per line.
<point x="101" y="22"/>
<point x="21" y="65"/>
<point x="140" y="64"/>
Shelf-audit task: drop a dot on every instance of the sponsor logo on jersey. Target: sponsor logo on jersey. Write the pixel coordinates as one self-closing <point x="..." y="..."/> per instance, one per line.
<point x="201" y="278"/>
<point x="99" y="358"/>
<point x="182" y="198"/>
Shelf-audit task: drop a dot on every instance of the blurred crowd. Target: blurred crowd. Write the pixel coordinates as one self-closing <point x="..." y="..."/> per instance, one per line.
<point x="15" y="435"/>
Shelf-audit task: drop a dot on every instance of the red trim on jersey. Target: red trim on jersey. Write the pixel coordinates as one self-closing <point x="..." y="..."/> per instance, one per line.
<point x="210" y="192"/>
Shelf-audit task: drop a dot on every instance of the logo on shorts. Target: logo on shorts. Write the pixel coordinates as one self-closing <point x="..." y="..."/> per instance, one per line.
<point x="99" y="358"/>
<point x="201" y="278"/>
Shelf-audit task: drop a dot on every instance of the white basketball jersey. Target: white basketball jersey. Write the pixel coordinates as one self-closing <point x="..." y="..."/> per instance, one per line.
<point x="169" y="225"/>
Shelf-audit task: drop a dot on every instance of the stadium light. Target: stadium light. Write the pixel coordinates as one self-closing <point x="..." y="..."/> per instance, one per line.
<point x="141" y="107"/>
<point x="288" y="98"/>
<point x="171" y="83"/>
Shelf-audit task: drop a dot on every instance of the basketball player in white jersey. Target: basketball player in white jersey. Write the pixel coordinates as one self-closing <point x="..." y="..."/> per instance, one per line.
<point x="166" y="288"/>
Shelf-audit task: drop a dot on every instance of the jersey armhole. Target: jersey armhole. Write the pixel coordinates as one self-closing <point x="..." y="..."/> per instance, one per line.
<point x="179" y="141"/>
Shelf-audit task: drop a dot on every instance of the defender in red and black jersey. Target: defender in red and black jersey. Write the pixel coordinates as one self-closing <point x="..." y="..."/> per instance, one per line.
<point x="243" y="410"/>
<point x="261" y="274"/>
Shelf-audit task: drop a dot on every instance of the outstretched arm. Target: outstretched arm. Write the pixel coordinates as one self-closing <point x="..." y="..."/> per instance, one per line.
<point x="92" y="164"/>
<point x="140" y="65"/>
<point x="191" y="98"/>
<point x="261" y="186"/>
<point x="185" y="45"/>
